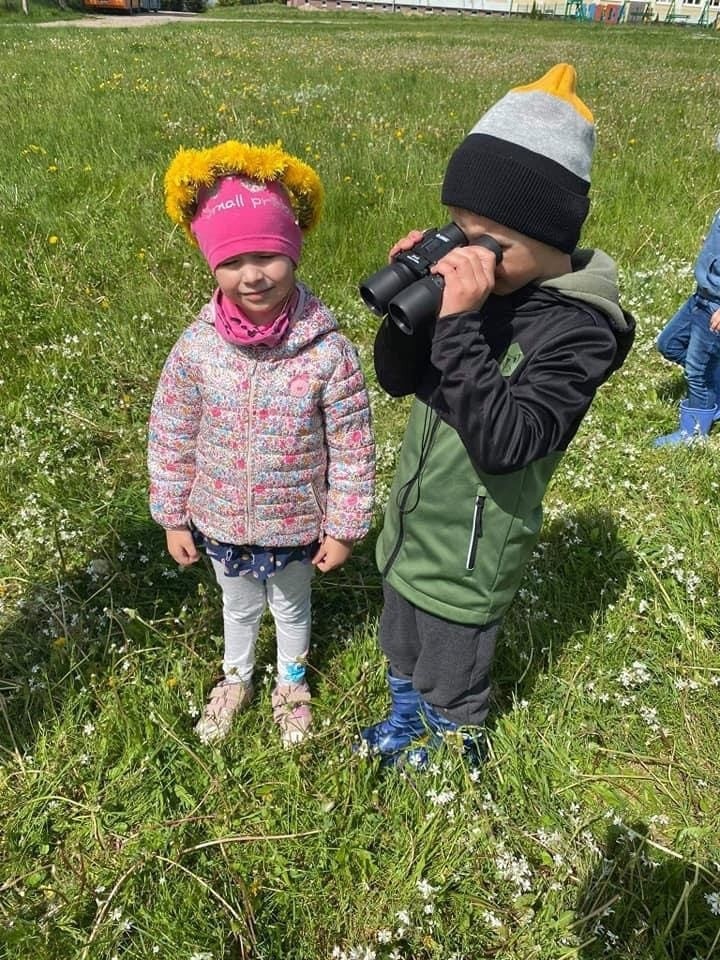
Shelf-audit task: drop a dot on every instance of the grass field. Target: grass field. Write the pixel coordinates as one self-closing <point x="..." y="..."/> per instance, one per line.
<point x="594" y="828"/>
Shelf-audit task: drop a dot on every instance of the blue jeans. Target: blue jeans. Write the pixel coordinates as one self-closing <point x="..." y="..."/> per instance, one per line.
<point x="688" y="340"/>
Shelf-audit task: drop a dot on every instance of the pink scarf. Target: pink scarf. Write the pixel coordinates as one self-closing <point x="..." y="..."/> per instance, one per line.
<point x="233" y="326"/>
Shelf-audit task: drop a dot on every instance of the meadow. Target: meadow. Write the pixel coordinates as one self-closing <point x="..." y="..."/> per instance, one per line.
<point x="593" y="829"/>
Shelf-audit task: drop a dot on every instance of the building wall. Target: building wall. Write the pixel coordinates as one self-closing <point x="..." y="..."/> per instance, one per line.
<point x="687" y="12"/>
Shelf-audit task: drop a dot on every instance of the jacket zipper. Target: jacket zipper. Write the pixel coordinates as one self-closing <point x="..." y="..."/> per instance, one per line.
<point x="476" y="532"/>
<point x="248" y="464"/>
<point x="318" y="503"/>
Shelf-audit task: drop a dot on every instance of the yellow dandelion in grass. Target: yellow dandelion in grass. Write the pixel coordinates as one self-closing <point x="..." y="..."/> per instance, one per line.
<point x="191" y="171"/>
<point x="52" y="168"/>
<point x="59" y="642"/>
<point x="171" y="682"/>
<point x="53" y="240"/>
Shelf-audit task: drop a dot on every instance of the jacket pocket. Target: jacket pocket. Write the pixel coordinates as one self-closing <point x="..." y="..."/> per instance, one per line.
<point x="476" y="529"/>
<point x="318" y="500"/>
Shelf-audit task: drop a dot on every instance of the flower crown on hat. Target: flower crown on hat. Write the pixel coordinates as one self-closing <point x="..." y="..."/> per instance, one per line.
<point x="192" y="171"/>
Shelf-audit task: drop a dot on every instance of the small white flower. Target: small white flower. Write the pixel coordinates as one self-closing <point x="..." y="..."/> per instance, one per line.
<point x="426" y="890"/>
<point x="713" y="901"/>
<point x="491" y="920"/>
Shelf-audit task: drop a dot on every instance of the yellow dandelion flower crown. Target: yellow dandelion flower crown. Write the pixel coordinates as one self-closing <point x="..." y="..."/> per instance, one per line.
<point x="192" y="171"/>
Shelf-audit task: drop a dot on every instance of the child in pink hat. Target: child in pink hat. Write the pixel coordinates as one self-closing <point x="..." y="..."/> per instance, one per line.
<point x="260" y="444"/>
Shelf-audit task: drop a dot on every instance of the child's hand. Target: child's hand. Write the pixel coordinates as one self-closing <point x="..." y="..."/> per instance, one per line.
<point x="715" y="321"/>
<point x="469" y="275"/>
<point x="407" y="242"/>
<point x="181" y="547"/>
<point x="332" y="553"/>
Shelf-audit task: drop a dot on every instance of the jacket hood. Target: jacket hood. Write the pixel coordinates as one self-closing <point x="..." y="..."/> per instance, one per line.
<point x="593" y="280"/>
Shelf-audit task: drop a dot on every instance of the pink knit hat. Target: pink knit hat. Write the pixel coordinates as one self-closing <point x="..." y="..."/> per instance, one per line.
<point x="240" y="215"/>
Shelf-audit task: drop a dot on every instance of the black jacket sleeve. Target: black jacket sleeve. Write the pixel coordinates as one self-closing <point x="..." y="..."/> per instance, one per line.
<point x="506" y="423"/>
<point x="401" y="361"/>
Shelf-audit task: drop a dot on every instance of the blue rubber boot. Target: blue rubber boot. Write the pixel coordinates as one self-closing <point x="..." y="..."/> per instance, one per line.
<point x="440" y="731"/>
<point x="404" y="724"/>
<point x="694" y="424"/>
<point x="470" y="738"/>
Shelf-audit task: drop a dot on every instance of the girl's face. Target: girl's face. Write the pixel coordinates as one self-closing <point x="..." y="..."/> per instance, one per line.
<point x="259" y="283"/>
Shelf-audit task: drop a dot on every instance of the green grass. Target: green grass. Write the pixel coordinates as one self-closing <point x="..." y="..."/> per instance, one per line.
<point x="593" y="829"/>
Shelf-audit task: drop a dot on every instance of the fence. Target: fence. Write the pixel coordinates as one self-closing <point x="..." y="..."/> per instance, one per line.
<point x="701" y="14"/>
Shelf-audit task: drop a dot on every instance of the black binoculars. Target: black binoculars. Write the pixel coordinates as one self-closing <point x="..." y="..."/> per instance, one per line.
<point x="405" y="289"/>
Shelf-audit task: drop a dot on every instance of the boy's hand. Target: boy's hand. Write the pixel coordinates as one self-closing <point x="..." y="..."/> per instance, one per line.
<point x="469" y="275"/>
<point x="715" y="321"/>
<point x="181" y="547"/>
<point x="331" y="553"/>
<point x="406" y="243"/>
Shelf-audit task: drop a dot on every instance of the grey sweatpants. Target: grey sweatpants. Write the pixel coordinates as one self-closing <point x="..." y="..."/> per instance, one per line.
<point x="448" y="663"/>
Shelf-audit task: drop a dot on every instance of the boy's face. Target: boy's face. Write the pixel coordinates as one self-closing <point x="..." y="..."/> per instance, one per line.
<point x="258" y="283"/>
<point x="524" y="260"/>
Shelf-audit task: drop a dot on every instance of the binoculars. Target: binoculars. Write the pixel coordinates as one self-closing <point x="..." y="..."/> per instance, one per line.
<point x="405" y="290"/>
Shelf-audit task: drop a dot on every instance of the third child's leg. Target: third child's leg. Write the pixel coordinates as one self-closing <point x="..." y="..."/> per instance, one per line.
<point x="672" y="342"/>
<point x="700" y="361"/>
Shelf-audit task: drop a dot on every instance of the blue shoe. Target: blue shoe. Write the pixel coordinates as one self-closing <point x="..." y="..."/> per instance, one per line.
<point x="404" y="724"/>
<point x="439" y="731"/>
<point x="694" y="425"/>
<point x="470" y="738"/>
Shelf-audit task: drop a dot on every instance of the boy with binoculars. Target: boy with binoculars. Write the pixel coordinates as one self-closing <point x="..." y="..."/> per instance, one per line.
<point x="527" y="328"/>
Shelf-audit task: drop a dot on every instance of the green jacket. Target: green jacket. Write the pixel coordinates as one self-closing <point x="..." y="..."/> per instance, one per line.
<point x="499" y="394"/>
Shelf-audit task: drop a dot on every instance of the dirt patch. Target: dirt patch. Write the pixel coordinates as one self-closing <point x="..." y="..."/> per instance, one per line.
<point x="126" y="20"/>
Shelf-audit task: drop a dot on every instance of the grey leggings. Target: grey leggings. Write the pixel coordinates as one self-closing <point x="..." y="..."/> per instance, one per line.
<point x="448" y="663"/>
<point x="287" y="593"/>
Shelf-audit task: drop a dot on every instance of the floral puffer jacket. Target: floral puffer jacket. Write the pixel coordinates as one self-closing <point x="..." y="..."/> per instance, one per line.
<point x="263" y="445"/>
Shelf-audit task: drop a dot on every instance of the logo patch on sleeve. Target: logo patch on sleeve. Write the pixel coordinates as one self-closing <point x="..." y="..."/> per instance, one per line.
<point x="511" y="360"/>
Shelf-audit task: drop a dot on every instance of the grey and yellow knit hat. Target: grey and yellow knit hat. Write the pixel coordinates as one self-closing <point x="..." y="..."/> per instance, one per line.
<point x="526" y="162"/>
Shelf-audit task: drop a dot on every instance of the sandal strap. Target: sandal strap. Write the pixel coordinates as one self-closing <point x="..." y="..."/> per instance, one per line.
<point x="290" y="698"/>
<point x="228" y="696"/>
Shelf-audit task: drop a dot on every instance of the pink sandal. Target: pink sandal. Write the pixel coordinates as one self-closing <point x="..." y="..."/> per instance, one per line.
<point x="225" y="700"/>
<point x="291" y="711"/>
